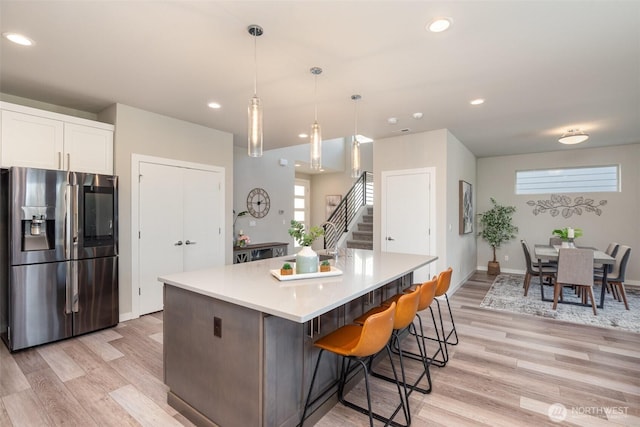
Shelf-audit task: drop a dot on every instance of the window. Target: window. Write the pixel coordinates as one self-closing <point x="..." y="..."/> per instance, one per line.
<point x="300" y="202"/>
<point x="589" y="179"/>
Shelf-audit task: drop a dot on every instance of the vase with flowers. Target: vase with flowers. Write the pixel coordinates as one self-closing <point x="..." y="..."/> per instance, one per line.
<point x="243" y="239"/>
<point x="567" y="234"/>
<point x="307" y="258"/>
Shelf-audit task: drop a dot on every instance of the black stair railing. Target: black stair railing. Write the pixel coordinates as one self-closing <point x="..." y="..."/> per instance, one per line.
<point x="359" y="195"/>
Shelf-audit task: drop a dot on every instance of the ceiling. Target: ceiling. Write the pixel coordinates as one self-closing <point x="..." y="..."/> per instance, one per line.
<point x="543" y="67"/>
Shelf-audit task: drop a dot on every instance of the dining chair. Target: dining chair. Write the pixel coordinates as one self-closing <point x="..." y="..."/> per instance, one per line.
<point x="533" y="268"/>
<point x="611" y="250"/>
<point x="615" y="277"/>
<point x="575" y="268"/>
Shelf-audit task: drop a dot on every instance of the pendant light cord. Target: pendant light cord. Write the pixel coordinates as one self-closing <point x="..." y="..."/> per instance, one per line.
<point x="315" y="96"/>
<point x="255" y="64"/>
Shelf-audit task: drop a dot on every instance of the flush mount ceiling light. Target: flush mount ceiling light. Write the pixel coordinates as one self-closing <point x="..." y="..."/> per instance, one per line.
<point x="18" y="39"/>
<point x="316" y="137"/>
<point x="439" y="25"/>
<point x="417" y="116"/>
<point x="392" y="120"/>
<point x="573" y="136"/>
<point x="255" y="106"/>
<point x="477" y="101"/>
<point x="355" y="144"/>
<point x="214" y="105"/>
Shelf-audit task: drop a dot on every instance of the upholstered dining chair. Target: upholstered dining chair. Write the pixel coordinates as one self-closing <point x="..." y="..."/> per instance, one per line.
<point x="611" y="250"/>
<point x="615" y="277"/>
<point x="575" y="268"/>
<point x="533" y="268"/>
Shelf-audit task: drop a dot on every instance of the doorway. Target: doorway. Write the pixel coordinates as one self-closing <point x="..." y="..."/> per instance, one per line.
<point x="408" y="214"/>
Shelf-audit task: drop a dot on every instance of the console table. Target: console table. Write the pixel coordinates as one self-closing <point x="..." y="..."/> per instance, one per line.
<point x="259" y="251"/>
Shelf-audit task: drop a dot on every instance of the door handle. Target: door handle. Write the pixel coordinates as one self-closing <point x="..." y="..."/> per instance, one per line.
<point x="189" y="242"/>
<point x="390" y="238"/>
<point x="178" y="243"/>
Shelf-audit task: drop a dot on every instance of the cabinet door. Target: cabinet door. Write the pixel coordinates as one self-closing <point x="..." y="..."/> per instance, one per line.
<point x="31" y="141"/>
<point x="88" y="149"/>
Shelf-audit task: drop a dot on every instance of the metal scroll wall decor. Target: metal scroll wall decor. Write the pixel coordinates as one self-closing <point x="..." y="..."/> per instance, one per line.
<point x="559" y="204"/>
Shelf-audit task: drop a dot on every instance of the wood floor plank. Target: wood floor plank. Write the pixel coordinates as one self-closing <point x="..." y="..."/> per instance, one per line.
<point x="99" y="344"/>
<point x="5" y="421"/>
<point x="60" y="362"/>
<point x="143" y="409"/>
<point x="13" y="379"/>
<point x="24" y="409"/>
<point x="61" y="406"/>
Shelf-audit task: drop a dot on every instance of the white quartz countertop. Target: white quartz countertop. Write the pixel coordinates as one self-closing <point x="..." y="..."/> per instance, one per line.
<point x="251" y="284"/>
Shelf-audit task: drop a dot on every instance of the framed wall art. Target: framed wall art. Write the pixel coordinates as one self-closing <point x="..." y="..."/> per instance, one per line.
<point x="331" y="202"/>
<point x="466" y="207"/>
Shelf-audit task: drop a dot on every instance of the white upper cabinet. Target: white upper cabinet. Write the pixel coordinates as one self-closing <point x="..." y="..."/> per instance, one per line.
<point x="45" y="140"/>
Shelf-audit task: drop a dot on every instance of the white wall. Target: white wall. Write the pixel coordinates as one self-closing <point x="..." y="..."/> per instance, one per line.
<point x="142" y="132"/>
<point x="618" y="222"/>
<point x="461" y="248"/>
<point x="453" y="162"/>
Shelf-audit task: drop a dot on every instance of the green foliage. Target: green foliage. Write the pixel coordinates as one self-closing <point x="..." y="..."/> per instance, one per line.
<point x="563" y="233"/>
<point x="496" y="225"/>
<point x="303" y="237"/>
<point x="287" y="266"/>
<point x="325" y="262"/>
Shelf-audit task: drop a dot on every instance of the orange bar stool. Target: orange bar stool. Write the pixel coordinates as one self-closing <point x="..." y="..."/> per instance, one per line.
<point x="357" y="344"/>
<point x="427" y="295"/>
<point x="406" y="309"/>
<point x="444" y="281"/>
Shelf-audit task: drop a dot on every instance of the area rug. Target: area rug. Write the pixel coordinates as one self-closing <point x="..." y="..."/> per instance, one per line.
<point x="507" y="294"/>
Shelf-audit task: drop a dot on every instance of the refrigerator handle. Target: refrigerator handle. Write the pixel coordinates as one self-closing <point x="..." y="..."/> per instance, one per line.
<point x="74" y="287"/>
<point x="74" y="229"/>
<point x="67" y="222"/>
<point x="67" y="303"/>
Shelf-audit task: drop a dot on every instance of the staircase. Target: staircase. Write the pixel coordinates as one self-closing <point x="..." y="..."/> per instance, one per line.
<point x="363" y="237"/>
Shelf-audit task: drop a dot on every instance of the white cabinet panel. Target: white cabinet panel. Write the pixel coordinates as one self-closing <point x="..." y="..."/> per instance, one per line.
<point x="42" y="139"/>
<point x="31" y="141"/>
<point x="88" y="149"/>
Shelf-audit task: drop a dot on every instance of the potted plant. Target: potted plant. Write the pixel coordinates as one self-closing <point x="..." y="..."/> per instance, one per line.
<point x="286" y="269"/>
<point x="307" y="258"/>
<point x="325" y="266"/>
<point x="567" y="234"/>
<point x="497" y="229"/>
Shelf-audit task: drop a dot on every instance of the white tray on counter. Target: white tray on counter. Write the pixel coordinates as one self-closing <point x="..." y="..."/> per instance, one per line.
<point x="334" y="272"/>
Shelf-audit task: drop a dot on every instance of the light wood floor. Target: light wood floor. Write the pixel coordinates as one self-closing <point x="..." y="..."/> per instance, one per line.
<point x="507" y="371"/>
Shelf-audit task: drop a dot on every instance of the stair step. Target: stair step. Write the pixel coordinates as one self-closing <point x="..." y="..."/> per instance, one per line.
<point x="363" y="235"/>
<point x="360" y="244"/>
<point x="370" y="210"/>
<point x="367" y="218"/>
<point x="365" y="226"/>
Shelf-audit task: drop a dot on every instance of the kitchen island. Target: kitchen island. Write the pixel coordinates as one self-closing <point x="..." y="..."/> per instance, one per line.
<point x="238" y="343"/>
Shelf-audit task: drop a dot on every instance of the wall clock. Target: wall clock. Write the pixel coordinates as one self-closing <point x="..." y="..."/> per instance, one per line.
<point x="258" y="203"/>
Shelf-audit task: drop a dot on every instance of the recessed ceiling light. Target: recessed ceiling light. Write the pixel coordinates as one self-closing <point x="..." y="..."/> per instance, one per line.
<point x="392" y="120"/>
<point x="303" y="135"/>
<point x="214" y="105"/>
<point x="18" y="39"/>
<point x="417" y="116"/>
<point x="573" y="136"/>
<point x="439" y="25"/>
<point x="478" y="101"/>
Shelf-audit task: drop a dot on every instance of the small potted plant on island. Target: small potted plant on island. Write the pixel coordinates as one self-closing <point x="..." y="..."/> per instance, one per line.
<point x="286" y="269"/>
<point x="307" y="258"/>
<point x="325" y="266"/>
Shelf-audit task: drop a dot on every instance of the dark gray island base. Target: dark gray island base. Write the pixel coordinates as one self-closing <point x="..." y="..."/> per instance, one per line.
<point x="238" y="344"/>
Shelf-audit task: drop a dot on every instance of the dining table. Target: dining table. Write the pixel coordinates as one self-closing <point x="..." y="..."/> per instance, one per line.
<point x="550" y="253"/>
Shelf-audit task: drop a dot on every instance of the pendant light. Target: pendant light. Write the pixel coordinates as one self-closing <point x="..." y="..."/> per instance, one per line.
<point x="316" y="136"/>
<point x="255" y="105"/>
<point x="355" y="144"/>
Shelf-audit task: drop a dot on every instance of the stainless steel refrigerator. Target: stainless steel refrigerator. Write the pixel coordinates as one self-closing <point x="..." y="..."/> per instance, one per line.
<point x="62" y="278"/>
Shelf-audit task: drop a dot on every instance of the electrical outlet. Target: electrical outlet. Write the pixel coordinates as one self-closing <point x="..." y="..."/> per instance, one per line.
<point x="506" y="257"/>
<point x="217" y="327"/>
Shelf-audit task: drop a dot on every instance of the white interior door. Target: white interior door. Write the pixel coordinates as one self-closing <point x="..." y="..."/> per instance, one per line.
<point x="406" y="215"/>
<point x="161" y="236"/>
<point x="202" y="234"/>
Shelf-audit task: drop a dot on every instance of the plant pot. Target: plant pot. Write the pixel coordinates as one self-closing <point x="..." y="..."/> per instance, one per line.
<point x="325" y="268"/>
<point x="306" y="261"/>
<point x="493" y="268"/>
<point x="286" y="272"/>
